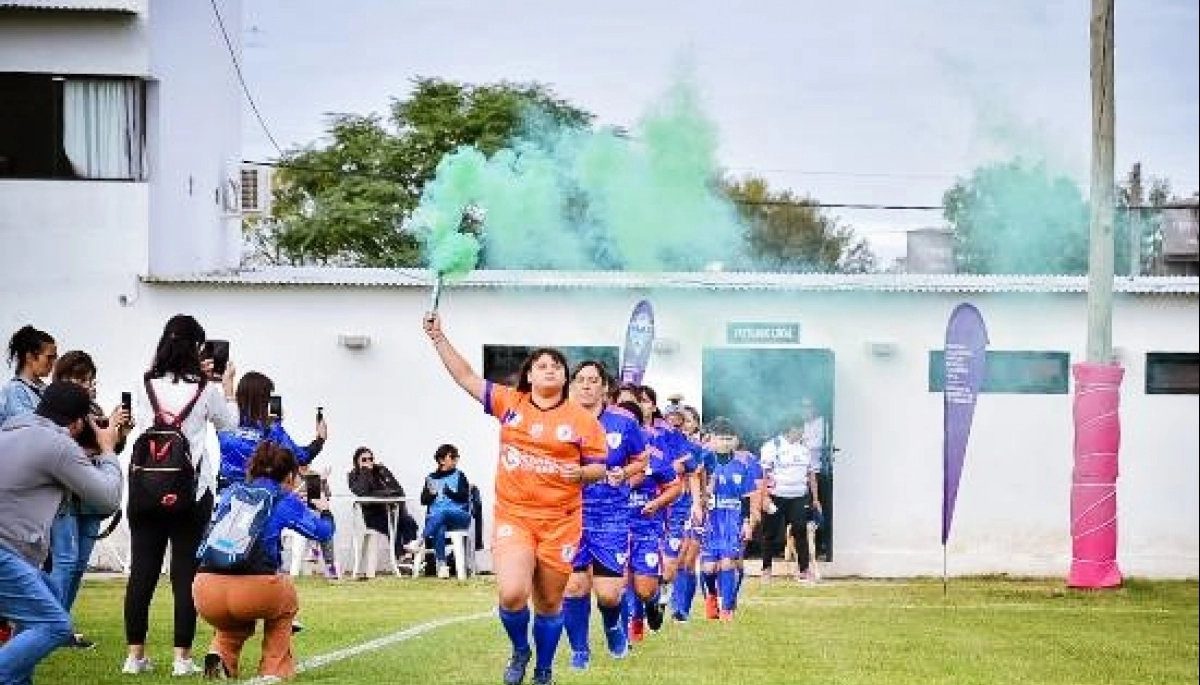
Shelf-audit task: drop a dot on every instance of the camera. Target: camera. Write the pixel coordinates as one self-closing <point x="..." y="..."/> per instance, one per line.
<point x="218" y="352"/>
<point x="312" y="486"/>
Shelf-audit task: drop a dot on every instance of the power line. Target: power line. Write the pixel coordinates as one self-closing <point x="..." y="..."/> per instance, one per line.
<point x="237" y="68"/>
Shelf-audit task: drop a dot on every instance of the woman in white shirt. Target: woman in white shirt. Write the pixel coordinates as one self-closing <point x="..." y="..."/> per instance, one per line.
<point x="176" y="376"/>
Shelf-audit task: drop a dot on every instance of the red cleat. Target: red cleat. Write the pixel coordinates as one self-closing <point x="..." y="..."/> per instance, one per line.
<point x="637" y="629"/>
<point x="710" y="607"/>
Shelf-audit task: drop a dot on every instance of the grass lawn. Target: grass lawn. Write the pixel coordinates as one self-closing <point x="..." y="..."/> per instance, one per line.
<point x="992" y="630"/>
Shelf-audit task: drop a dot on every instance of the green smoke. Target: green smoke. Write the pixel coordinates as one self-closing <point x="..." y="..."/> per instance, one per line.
<point x="564" y="198"/>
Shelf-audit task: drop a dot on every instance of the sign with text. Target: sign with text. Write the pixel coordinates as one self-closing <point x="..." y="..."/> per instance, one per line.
<point x="762" y="333"/>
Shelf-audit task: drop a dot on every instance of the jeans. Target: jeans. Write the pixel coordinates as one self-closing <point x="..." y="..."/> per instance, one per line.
<point x="436" y="525"/>
<point x="28" y="601"/>
<point x="72" y="539"/>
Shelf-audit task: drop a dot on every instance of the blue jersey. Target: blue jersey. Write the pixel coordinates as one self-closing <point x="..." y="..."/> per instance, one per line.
<point x="733" y="479"/>
<point x="660" y="472"/>
<point x="606" y="507"/>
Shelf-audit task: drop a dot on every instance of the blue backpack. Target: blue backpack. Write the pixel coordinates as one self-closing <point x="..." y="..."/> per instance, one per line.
<point x="234" y="542"/>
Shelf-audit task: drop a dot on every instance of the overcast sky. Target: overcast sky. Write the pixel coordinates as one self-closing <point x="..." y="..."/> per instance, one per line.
<point x="859" y="101"/>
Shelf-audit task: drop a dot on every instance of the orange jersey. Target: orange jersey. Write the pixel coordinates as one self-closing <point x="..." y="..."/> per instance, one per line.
<point x="535" y="444"/>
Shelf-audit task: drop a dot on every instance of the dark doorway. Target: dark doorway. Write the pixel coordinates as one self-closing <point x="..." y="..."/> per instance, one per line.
<point x="760" y="390"/>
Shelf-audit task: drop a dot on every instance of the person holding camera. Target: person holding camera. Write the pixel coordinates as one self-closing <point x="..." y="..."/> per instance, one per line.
<point x="369" y="478"/>
<point x="176" y="384"/>
<point x="258" y="420"/>
<point x="43" y="463"/>
<point x="77" y="525"/>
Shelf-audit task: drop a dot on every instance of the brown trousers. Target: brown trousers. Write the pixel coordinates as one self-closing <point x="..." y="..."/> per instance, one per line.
<point x="233" y="604"/>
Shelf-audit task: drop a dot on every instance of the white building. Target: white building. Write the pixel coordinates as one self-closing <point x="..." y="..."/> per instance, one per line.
<point x="101" y="264"/>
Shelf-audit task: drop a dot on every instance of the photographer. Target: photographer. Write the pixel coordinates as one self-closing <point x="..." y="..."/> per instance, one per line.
<point x="42" y="464"/>
<point x="77" y="525"/>
<point x="256" y="423"/>
<point x="370" y="479"/>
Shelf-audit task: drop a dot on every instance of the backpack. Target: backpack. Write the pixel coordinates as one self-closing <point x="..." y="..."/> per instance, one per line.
<point x="162" y="477"/>
<point x="234" y="541"/>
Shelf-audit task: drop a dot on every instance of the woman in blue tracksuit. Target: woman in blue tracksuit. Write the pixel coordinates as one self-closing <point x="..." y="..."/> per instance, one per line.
<point x="255" y="424"/>
<point x="448" y="496"/>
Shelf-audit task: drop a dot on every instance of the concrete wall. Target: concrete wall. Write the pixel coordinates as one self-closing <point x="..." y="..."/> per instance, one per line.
<point x="1013" y="506"/>
<point x="44" y="42"/>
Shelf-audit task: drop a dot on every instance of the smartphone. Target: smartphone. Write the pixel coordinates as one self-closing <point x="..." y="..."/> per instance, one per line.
<point x="218" y="352"/>
<point x="312" y="485"/>
<point x="320" y="414"/>
<point x="127" y="401"/>
<point x="275" y="407"/>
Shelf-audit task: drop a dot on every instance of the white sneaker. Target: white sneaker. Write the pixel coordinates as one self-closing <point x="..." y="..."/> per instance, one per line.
<point x="134" y="665"/>
<point x="184" y="667"/>
<point x="443" y="571"/>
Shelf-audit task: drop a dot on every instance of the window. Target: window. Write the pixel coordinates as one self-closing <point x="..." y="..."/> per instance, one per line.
<point x="501" y="362"/>
<point x="1172" y="373"/>
<point x="1034" y="373"/>
<point x="72" y="128"/>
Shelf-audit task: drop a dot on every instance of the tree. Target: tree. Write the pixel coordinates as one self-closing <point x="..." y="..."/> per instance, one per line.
<point x="1015" y="217"/>
<point x="342" y="202"/>
<point x="1138" y="224"/>
<point x="785" y="232"/>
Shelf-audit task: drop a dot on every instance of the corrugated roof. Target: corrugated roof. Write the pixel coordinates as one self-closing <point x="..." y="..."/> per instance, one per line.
<point x="124" y="6"/>
<point x="620" y="280"/>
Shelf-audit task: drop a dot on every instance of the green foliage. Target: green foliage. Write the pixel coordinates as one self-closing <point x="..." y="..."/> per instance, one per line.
<point x="342" y="202"/>
<point x="1014" y="217"/>
<point x="789" y="233"/>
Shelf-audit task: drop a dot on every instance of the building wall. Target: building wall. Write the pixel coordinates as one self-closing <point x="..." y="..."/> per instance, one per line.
<point x="1013" y="506"/>
<point x="194" y="130"/>
<point x="47" y="42"/>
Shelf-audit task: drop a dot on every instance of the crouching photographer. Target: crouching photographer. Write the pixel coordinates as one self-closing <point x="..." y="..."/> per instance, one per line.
<point x="42" y="465"/>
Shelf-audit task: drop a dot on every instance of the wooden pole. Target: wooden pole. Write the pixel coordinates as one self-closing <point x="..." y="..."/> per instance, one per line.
<point x="1101" y="245"/>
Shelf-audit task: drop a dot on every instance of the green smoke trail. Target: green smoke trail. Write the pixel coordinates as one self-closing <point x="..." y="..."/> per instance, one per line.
<point x="444" y="204"/>
<point x="560" y="198"/>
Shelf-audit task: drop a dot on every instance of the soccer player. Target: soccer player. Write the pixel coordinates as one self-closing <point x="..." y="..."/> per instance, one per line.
<point x="602" y="559"/>
<point x="550" y="447"/>
<point x="686" y="513"/>
<point x="733" y="481"/>
<point x="686" y="523"/>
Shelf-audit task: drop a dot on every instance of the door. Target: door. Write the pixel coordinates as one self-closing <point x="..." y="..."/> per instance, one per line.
<point x="759" y="390"/>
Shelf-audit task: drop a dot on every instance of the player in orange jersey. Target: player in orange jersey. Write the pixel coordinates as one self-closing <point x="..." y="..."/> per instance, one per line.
<point x="550" y="448"/>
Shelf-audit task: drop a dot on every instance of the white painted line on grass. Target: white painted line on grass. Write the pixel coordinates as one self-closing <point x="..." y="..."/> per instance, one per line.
<point x="373" y="645"/>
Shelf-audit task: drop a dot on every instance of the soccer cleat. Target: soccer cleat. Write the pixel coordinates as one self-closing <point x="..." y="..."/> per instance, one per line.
<point x="637" y="629"/>
<point x="78" y="641"/>
<point x="654" y="616"/>
<point x="514" y="673"/>
<point x="542" y="676"/>
<point x="678" y="617"/>
<point x="710" y="607"/>
<point x="214" y="668"/>
<point x="580" y="660"/>
<point x="6" y="631"/>
<point x="134" y="665"/>
<point x="726" y="616"/>
<point x="618" y="642"/>
<point x="183" y="667"/>
<point x="297" y="626"/>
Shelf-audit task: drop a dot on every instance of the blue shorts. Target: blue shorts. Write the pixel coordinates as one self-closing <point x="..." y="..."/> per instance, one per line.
<point x="645" y="556"/>
<point x="610" y="550"/>
<point x="723" y="538"/>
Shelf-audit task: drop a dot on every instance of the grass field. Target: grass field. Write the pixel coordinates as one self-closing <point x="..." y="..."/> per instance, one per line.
<point x="846" y="632"/>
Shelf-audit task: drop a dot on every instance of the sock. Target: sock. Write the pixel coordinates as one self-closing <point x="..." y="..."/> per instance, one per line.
<point x="610" y="616"/>
<point x="710" y="582"/>
<point x="727" y="581"/>
<point x="685" y="592"/>
<point x="576" y="612"/>
<point x="547" y="631"/>
<point x="516" y="624"/>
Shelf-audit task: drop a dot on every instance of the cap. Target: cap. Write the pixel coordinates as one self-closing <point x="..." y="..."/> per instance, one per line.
<point x="721" y="426"/>
<point x="64" y="402"/>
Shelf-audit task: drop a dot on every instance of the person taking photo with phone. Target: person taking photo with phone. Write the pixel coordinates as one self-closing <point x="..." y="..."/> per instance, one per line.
<point x="258" y="420"/>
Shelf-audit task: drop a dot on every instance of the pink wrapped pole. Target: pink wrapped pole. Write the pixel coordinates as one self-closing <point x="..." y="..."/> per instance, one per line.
<point x="1094" y="479"/>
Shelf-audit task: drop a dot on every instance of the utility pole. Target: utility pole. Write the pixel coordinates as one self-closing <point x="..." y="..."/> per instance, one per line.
<point x="1101" y="243"/>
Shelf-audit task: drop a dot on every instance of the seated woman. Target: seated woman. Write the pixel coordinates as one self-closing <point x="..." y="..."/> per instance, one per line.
<point x="448" y="496"/>
<point x="371" y="479"/>
<point x="232" y="600"/>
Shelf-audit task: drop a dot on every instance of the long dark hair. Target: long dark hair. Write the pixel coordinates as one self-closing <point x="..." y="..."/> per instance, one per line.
<point x="75" y="365"/>
<point x="595" y="364"/>
<point x="273" y="461"/>
<point x="523" y="384"/>
<point x="178" y="350"/>
<point x="27" y="340"/>
<point x="253" y="397"/>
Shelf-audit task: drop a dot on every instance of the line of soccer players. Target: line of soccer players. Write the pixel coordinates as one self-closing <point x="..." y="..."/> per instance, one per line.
<point x="675" y="494"/>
